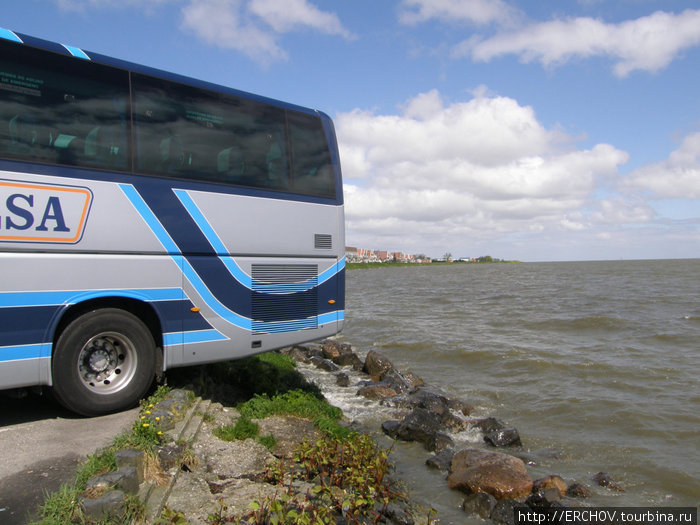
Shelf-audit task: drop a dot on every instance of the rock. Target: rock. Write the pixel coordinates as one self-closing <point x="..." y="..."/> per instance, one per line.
<point x="331" y="349"/>
<point x="550" y="482"/>
<point x="543" y="498"/>
<point x="578" y="490"/>
<point x="504" y="511"/>
<point x="298" y="353"/>
<point x="391" y="428"/>
<point x="460" y="406"/>
<point x="349" y="359"/>
<point x="342" y="379"/>
<point x="376" y="364"/>
<point x="170" y="455"/>
<point x="125" y="479"/>
<point x="604" y="480"/>
<point x="111" y="504"/>
<point x="441" y="460"/>
<point x="131" y="457"/>
<point x="440" y="442"/>
<point x="419" y="425"/>
<point x="506" y="437"/>
<point x="488" y="425"/>
<point x="377" y="391"/>
<point x="396" y="381"/>
<point x="324" y="364"/>
<point x="481" y="504"/>
<point x="413" y="379"/>
<point x="501" y="475"/>
<point x="398" y="514"/>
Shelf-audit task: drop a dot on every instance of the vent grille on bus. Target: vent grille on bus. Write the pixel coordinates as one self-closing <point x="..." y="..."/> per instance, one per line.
<point x="284" y="297"/>
<point x="323" y="241"/>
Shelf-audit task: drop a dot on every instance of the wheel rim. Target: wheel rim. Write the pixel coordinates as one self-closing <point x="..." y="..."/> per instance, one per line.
<point x="107" y="363"/>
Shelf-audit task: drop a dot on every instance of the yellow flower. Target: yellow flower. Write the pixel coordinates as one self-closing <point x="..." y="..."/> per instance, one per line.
<point x="145" y="425"/>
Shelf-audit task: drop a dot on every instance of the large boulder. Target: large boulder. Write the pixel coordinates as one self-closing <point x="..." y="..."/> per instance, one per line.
<point x="474" y="470"/>
<point x="419" y="425"/>
<point x="376" y="364"/>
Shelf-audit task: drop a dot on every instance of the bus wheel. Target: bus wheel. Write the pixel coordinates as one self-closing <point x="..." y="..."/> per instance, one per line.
<point x="104" y="361"/>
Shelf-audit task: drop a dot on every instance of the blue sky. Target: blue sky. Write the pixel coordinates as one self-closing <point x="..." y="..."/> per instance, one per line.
<point x="548" y="130"/>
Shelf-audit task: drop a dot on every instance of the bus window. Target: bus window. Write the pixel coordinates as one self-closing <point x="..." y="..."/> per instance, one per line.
<point x="192" y="133"/>
<point x="311" y="162"/>
<point x="62" y="111"/>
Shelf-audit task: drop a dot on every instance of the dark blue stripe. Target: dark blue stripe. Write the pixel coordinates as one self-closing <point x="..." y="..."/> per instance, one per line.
<point x="25" y="325"/>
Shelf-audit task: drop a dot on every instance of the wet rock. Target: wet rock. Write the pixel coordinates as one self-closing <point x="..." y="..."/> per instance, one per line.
<point x="349" y="359"/>
<point x="488" y="425"/>
<point x="501" y="475"/>
<point x="604" y="480"/>
<point x="376" y="391"/>
<point x="324" y="364"/>
<point x="376" y="364"/>
<point x="481" y="504"/>
<point x="391" y="428"/>
<point x="331" y="349"/>
<point x="505" y="437"/>
<point x="504" y="512"/>
<point x="413" y="379"/>
<point x="342" y="379"/>
<point x="578" y="490"/>
<point x="298" y="353"/>
<point x="550" y="482"/>
<point x="543" y="499"/>
<point x="419" y="425"/>
<point x="440" y="442"/>
<point x="395" y="380"/>
<point x="441" y="460"/>
<point x="460" y="406"/>
<point x="398" y="514"/>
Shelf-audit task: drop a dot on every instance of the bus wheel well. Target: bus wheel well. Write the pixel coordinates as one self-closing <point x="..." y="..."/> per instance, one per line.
<point x="140" y="309"/>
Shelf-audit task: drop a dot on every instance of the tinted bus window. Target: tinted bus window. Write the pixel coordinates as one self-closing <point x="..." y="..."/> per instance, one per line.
<point x="194" y="133"/>
<point x="311" y="161"/>
<point x="62" y="110"/>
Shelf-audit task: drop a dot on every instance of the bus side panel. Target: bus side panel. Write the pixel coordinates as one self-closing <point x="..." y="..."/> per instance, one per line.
<point x="33" y="300"/>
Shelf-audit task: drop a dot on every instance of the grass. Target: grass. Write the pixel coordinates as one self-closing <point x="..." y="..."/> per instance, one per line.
<point x="63" y="507"/>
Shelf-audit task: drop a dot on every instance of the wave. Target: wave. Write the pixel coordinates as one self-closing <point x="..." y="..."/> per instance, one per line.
<point x="595" y="322"/>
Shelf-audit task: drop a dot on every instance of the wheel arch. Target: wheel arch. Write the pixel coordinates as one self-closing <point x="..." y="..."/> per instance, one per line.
<point x="142" y="309"/>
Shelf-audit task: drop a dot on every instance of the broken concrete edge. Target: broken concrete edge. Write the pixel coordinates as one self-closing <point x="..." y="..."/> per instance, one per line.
<point x="179" y="416"/>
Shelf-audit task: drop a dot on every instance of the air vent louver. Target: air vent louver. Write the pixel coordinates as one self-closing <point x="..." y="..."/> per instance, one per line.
<point x="323" y="241"/>
<point x="284" y="297"/>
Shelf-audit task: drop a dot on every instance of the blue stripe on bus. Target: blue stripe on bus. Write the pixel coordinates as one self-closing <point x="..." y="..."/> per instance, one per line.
<point x="147" y="215"/>
<point x="10" y="35"/>
<point x="235" y="270"/>
<point x="76" y="52"/>
<point x="44" y="298"/>
<point x="197" y="336"/>
<point x="17" y="353"/>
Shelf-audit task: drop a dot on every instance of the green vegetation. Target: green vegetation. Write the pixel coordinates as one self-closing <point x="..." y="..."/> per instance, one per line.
<point x="349" y="478"/>
<point x="63" y="507"/>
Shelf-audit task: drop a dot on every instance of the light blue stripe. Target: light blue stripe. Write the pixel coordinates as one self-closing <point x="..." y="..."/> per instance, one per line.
<point x="18" y="299"/>
<point x="211" y="301"/>
<point x="213" y="238"/>
<point x="330" y="272"/>
<point x="17" y="353"/>
<point x="76" y="52"/>
<point x="150" y="218"/>
<point x="10" y="35"/>
<point x="331" y="317"/>
<point x="197" y="336"/>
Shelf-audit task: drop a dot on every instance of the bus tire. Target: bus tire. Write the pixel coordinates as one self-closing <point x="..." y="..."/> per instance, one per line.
<point x="104" y="362"/>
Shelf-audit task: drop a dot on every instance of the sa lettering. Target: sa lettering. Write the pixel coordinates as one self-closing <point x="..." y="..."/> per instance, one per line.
<point x="22" y="215"/>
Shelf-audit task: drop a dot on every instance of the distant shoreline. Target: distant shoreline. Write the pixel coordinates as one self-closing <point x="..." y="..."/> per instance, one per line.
<point x="365" y="266"/>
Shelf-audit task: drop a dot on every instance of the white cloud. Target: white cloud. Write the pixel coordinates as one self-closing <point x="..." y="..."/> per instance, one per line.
<point x="284" y="16"/>
<point x="676" y="177"/>
<point x="252" y="27"/>
<point x="648" y="43"/>
<point x="457" y="172"/>
<point x="473" y="11"/>
<point x="225" y="23"/>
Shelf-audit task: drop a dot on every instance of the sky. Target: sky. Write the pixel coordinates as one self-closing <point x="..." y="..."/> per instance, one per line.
<point x="536" y="131"/>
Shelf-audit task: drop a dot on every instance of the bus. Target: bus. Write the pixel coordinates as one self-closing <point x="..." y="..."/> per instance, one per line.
<point x="150" y="221"/>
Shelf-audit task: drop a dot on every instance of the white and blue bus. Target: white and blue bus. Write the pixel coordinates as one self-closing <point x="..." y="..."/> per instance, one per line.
<point x="151" y="221"/>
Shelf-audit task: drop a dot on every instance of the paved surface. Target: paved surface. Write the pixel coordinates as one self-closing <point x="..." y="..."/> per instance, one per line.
<point x="41" y="445"/>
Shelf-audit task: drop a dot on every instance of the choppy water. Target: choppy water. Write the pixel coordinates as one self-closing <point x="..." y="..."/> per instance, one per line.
<point x="595" y="363"/>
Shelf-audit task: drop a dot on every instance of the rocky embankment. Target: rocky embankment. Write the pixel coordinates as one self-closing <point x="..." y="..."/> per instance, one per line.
<point x="494" y="479"/>
<point x="204" y="480"/>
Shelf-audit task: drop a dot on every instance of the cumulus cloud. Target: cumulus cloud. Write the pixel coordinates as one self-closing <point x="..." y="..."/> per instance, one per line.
<point x="473" y="170"/>
<point x="252" y="27"/>
<point x="676" y="177"/>
<point x="474" y="11"/>
<point x="648" y="43"/>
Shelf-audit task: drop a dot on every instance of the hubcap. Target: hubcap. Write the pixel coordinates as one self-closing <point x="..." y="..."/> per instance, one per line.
<point x="107" y="362"/>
